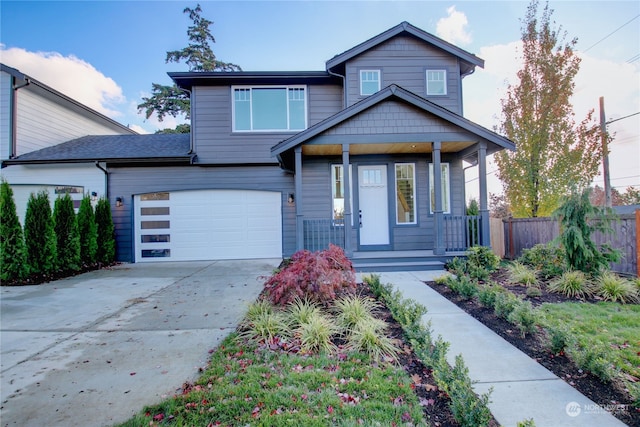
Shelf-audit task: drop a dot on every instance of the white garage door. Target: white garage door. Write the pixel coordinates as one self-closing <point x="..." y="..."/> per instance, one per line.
<point x="208" y="225"/>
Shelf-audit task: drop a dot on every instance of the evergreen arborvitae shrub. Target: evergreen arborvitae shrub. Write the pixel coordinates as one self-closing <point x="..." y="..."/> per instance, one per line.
<point x="13" y="252"/>
<point x="68" y="240"/>
<point x="88" y="231"/>
<point x="39" y="235"/>
<point x="106" y="252"/>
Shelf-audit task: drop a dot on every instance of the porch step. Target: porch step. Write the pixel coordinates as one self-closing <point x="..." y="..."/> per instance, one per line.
<point x="368" y="266"/>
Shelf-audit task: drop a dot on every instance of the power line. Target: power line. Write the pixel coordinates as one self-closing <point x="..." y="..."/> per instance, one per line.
<point x="610" y="34"/>
<point x="625" y="117"/>
<point x="633" y="58"/>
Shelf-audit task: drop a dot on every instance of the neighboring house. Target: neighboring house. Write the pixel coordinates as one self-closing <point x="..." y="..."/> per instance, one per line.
<point x="34" y="116"/>
<point x="282" y="161"/>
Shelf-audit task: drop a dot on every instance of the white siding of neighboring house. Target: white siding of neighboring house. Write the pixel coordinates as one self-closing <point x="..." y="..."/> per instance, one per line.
<point x="5" y="91"/>
<point x="25" y="179"/>
<point x="44" y="123"/>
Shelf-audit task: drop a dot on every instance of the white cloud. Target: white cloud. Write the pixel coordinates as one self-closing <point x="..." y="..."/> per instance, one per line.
<point x="453" y="27"/>
<point x="69" y="75"/>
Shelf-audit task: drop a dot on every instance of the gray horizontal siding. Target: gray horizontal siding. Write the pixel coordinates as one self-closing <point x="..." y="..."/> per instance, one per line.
<point x="215" y="143"/>
<point x="316" y="198"/>
<point x="126" y="182"/>
<point x="403" y="61"/>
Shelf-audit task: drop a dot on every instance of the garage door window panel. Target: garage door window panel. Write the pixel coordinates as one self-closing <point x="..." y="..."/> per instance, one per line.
<point x="149" y="225"/>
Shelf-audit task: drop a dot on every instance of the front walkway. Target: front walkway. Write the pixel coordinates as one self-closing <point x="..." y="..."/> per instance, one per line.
<point x="522" y="388"/>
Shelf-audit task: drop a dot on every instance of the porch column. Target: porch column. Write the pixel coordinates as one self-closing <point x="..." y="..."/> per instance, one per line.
<point x="298" y="199"/>
<point x="348" y="215"/>
<point x="438" y="221"/>
<point x="485" y="237"/>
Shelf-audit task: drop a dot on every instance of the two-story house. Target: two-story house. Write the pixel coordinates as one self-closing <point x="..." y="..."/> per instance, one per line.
<point x="34" y="116"/>
<point x="367" y="154"/>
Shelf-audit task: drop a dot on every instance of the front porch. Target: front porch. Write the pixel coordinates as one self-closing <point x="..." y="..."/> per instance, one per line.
<point x="460" y="232"/>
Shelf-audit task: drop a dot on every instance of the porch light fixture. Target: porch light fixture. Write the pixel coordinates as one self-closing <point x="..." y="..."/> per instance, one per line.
<point x="291" y="199"/>
<point x="118" y="202"/>
<point x="94" y="196"/>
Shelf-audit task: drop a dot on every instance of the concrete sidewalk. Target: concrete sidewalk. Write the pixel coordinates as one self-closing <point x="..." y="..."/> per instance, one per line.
<point x="522" y="388"/>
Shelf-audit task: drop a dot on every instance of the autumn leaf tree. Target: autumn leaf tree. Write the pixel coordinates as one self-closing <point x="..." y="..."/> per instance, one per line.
<point x="554" y="156"/>
<point x="198" y="55"/>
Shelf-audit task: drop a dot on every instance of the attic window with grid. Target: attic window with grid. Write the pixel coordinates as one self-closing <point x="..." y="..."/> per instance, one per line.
<point x="436" y="82"/>
<point x="369" y="82"/>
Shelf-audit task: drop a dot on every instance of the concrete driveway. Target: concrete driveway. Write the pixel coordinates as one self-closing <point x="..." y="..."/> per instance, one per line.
<point x="92" y="350"/>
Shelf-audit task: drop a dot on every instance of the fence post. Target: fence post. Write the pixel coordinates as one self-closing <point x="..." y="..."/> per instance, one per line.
<point x="638" y="242"/>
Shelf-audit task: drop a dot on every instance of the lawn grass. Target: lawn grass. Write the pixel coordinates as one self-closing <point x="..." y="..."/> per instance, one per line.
<point x="249" y="385"/>
<point x="610" y="326"/>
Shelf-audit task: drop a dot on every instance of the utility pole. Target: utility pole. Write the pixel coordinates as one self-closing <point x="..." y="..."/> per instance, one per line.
<point x="605" y="155"/>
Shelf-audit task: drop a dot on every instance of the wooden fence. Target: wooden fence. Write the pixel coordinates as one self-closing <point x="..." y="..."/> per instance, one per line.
<point x="524" y="233"/>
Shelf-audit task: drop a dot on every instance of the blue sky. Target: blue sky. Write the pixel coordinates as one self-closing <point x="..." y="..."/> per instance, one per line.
<point x="106" y="54"/>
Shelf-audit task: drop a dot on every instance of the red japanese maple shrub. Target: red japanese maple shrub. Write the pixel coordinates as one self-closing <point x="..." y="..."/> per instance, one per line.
<point x="318" y="276"/>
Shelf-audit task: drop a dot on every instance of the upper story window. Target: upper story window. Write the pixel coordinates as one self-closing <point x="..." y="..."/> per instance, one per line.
<point x="269" y="108"/>
<point x="369" y="82"/>
<point x="436" y="82"/>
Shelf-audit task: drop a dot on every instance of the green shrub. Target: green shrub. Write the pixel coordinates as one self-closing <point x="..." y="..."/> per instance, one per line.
<point x="594" y="359"/>
<point x="467" y="287"/>
<point x="533" y="291"/>
<point x="521" y="274"/>
<point x="467" y="408"/>
<point x="505" y="303"/>
<point x="39" y="235"/>
<point x="13" y="252"/>
<point x="559" y="339"/>
<point x="478" y="273"/>
<point x="526" y="423"/>
<point x="88" y="232"/>
<point x="487" y="294"/>
<point x="483" y="257"/>
<point x="612" y="287"/>
<point x="66" y="227"/>
<point x="573" y="283"/>
<point x="578" y="220"/>
<point x="318" y="276"/>
<point x="106" y="251"/>
<point x="548" y="258"/>
<point x="457" y="266"/>
<point x="524" y="317"/>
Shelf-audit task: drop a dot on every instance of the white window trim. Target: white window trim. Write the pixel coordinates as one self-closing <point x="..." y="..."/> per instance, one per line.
<point x="415" y="216"/>
<point x="287" y="87"/>
<point x="426" y="76"/>
<point x="431" y="185"/>
<point x="379" y="81"/>
<point x="333" y="186"/>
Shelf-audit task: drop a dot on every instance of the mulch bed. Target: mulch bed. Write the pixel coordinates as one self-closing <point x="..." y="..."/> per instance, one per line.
<point x="434" y="402"/>
<point x="605" y="394"/>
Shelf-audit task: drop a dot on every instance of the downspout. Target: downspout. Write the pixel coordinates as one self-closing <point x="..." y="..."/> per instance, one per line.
<point x="106" y="178"/>
<point x="13" y="146"/>
<point x="344" y="89"/>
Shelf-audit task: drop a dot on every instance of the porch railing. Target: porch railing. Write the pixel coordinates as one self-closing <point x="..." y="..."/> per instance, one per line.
<point x="461" y="232"/>
<point x="319" y="233"/>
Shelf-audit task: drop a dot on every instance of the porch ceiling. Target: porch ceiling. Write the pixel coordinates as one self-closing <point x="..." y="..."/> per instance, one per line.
<point x="383" y="148"/>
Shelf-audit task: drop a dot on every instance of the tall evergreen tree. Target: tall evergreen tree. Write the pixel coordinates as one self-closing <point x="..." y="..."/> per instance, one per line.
<point x="198" y="55"/>
<point x="553" y="156"/>
<point x="106" y="240"/>
<point x="39" y="235"/>
<point x="66" y="227"/>
<point x="13" y="252"/>
<point x="88" y="231"/>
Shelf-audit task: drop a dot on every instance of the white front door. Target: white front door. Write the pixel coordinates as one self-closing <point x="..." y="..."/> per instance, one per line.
<point x="374" y="211"/>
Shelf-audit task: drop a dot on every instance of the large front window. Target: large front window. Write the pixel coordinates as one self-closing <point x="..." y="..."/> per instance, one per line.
<point x="269" y="108"/>
<point x="405" y="193"/>
<point x="445" y="189"/>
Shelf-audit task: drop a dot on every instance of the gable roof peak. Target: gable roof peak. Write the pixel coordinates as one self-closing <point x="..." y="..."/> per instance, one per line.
<point x="469" y="60"/>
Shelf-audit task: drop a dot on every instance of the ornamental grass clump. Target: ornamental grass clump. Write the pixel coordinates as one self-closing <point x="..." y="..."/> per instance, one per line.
<point x="316" y="334"/>
<point x="368" y="336"/>
<point x="351" y="310"/>
<point x="573" y="284"/>
<point x="612" y="287"/>
<point x="265" y="326"/>
<point x="522" y="274"/>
